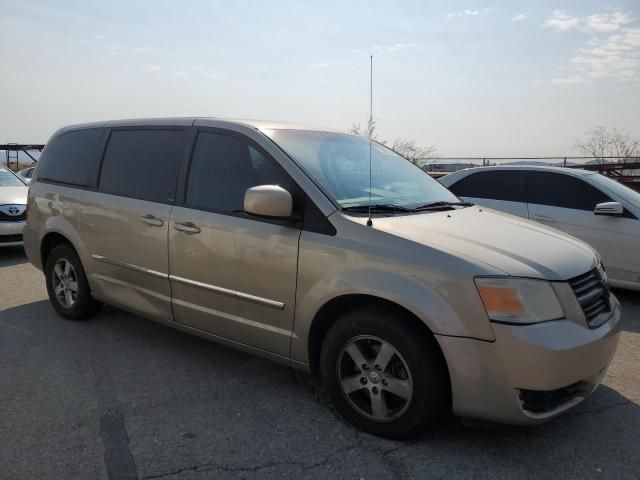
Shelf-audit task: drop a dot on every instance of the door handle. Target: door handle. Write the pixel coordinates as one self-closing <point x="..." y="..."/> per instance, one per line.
<point x="151" y="220"/>
<point x="543" y="218"/>
<point x="186" y="227"/>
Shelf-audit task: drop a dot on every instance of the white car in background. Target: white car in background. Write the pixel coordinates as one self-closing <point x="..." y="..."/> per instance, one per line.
<point x="594" y="208"/>
<point x="26" y="174"/>
<point x="13" y="208"/>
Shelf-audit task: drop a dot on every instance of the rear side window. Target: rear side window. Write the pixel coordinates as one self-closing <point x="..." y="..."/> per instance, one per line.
<point x="492" y="184"/>
<point x="223" y="168"/>
<point x="564" y="191"/>
<point x="71" y="158"/>
<point x="142" y="164"/>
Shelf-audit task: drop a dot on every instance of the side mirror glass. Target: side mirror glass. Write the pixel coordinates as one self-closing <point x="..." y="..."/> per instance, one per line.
<point x="268" y="201"/>
<point x="609" y="208"/>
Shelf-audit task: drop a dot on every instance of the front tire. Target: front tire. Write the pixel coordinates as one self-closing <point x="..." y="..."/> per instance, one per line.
<point x="67" y="285"/>
<point x="384" y="375"/>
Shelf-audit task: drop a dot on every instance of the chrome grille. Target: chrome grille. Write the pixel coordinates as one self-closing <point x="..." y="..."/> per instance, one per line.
<point x="592" y="292"/>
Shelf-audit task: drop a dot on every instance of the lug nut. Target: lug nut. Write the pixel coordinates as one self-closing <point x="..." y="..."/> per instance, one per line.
<point x="377" y="367"/>
<point x="384" y="382"/>
<point x="375" y="390"/>
<point x="363" y="381"/>
<point x="365" y="367"/>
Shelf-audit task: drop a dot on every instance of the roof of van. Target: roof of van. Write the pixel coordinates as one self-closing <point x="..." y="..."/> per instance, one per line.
<point x="188" y="121"/>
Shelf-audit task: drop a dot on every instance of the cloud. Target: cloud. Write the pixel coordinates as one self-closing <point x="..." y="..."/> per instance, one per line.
<point x="560" y="21"/>
<point x="141" y="50"/>
<point x="519" y="17"/>
<point x="597" y="23"/>
<point x="615" y="57"/>
<point x="606" y="22"/>
<point x="568" y="80"/>
<point x="470" y="12"/>
<point x="387" y="49"/>
<point x="99" y="37"/>
<point x="318" y="66"/>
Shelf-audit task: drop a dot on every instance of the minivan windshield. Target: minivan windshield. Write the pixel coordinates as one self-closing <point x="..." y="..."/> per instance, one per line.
<point x="340" y="164"/>
<point x="8" y="179"/>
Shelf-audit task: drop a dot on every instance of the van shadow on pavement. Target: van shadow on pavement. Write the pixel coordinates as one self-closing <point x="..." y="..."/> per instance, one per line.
<point x="125" y="396"/>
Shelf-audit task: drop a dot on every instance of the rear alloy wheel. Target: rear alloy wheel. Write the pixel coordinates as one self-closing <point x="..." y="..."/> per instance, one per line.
<point x="67" y="285"/>
<point x="384" y="373"/>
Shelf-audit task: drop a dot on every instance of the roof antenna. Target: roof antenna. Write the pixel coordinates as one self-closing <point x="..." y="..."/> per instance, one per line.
<point x="369" y="220"/>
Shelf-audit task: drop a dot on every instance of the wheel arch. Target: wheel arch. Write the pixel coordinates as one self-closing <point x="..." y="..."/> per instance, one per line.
<point x="331" y="311"/>
<point x="51" y="240"/>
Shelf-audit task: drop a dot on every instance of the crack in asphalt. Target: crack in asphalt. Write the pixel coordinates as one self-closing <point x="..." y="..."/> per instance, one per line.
<point x="207" y="467"/>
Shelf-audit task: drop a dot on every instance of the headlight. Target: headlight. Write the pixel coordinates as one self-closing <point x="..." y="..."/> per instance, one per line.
<point x="519" y="300"/>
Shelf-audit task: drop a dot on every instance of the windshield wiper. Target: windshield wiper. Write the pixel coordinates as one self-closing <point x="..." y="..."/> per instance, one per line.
<point x="441" y="206"/>
<point x="377" y="208"/>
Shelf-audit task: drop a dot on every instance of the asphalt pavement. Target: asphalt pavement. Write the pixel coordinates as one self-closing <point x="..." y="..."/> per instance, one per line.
<point x="121" y="397"/>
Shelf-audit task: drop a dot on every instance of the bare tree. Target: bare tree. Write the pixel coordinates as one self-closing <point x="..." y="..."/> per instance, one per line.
<point x="600" y="142"/>
<point x="408" y="149"/>
<point x="405" y="147"/>
<point x="369" y="130"/>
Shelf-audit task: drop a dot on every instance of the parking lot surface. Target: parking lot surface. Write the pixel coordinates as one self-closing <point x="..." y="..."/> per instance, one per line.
<point x="121" y="397"/>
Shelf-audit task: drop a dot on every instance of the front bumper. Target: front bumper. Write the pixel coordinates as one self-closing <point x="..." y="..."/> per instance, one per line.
<point x="11" y="233"/>
<point x="530" y="373"/>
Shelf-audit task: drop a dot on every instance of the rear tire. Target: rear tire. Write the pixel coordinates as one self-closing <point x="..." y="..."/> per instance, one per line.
<point x="67" y="285"/>
<point x="398" y="387"/>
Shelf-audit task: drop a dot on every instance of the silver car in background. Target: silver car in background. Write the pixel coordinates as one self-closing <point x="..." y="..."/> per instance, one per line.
<point x="26" y="173"/>
<point x="328" y="253"/>
<point x="13" y="206"/>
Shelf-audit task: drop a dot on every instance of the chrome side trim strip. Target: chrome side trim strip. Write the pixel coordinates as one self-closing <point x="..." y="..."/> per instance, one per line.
<point x="233" y="318"/>
<point x="231" y="293"/>
<point x="115" y="281"/>
<point x="130" y="266"/>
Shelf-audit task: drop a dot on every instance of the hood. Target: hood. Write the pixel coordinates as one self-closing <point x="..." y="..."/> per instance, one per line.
<point x="13" y="195"/>
<point x="513" y="245"/>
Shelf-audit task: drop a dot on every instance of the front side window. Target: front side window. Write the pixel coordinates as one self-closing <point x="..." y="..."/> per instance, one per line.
<point x="8" y="179"/>
<point x="223" y="168"/>
<point x="142" y="164"/>
<point x="340" y="164"/>
<point x="629" y="194"/>
<point x="561" y="190"/>
<point x="495" y="185"/>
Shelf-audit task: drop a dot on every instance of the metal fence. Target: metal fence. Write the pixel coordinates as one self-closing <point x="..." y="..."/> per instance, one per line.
<point x="12" y="153"/>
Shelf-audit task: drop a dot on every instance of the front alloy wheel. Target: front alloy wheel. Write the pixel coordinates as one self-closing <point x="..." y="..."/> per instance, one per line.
<point x="384" y="372"/>
<point x="374" y="378"/>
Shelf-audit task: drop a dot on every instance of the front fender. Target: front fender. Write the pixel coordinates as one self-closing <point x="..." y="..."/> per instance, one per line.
<point x="456" y="312"/>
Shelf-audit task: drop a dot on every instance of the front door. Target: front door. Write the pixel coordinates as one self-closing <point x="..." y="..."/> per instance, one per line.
<point x="567" y="202"/>
<point x="233" y="275"/>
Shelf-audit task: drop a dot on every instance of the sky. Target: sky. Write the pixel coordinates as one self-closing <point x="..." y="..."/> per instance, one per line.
<point x="474" y="78"/>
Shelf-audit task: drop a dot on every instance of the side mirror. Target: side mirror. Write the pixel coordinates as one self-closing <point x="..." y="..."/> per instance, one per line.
<point x="268" y="201"/>
<point x="609" y="208"/>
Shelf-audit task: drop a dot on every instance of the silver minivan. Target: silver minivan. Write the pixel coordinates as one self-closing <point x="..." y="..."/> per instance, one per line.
<point x="327" y="253"/>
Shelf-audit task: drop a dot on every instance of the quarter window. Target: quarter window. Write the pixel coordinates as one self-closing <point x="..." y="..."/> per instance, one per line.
<point x="142" y="164"/>
<point x="223" y="168"/>
<point x="494" y="185"/>
<point x="70" y="158"/>
<point x="564" y="191"/>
